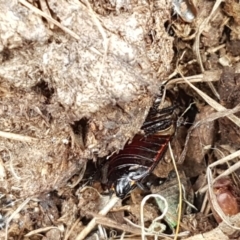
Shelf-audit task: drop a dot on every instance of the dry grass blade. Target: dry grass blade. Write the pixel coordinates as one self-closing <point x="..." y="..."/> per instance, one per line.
<point x="221" y="232"/>
<point x="210" y="118"/>
<point x="230" y="170"/>
<point x="180" y="192"/>
<point x="151" y="233"/>
<point x="222" y="161"/>
<point x="49" y="18"/>
<point x="235" y="120"/>
<point x="112" y="224"/>
<point x="105" y="39"/>
<point x="217" y="115"/>
<point x="11" y="165"/>
<point x="45" y="9"/>
<point x="45" y="229"/>
<point x="68" y="233"/>
<point x="97" y="23"/>
<point x="207" y="76"/>
<point x="21" y="206"/>
<point x="212" y="102"/>
<point x="197" y="43"/>
<point x="201" y="29"/>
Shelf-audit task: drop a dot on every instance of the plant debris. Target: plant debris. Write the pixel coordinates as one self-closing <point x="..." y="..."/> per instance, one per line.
<point x="77" y="80"/>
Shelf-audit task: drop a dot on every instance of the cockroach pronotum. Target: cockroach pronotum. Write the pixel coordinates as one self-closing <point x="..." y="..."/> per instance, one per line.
<point x="128" y="168"/>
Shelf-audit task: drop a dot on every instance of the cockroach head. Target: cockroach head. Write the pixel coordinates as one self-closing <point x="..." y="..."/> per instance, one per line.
<point x="123" y="186"/>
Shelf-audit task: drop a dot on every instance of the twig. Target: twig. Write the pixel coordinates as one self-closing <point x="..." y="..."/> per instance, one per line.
<point x="16" y="137"/>
<point x="92" y="223"/>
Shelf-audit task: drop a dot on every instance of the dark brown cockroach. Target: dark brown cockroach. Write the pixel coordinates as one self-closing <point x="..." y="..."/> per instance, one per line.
<point x="130" y="166"/>
<point x="185" y="9"/>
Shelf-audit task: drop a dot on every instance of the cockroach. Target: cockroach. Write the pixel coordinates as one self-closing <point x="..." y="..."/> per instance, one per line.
<point x="128" y="168"/>
<point x="185" y="9"/>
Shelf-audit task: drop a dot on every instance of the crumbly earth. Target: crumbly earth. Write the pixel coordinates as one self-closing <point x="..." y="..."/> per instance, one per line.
<point x="78" y="89"/>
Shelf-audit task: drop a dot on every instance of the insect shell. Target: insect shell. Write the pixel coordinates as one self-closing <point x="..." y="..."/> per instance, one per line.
<point x="127" y="169"/>
<point x="226" y="198"/>
<point x="185" y="9"/>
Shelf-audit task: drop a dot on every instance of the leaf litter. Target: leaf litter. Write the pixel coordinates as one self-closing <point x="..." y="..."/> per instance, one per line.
<point x="77" y="81"/>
